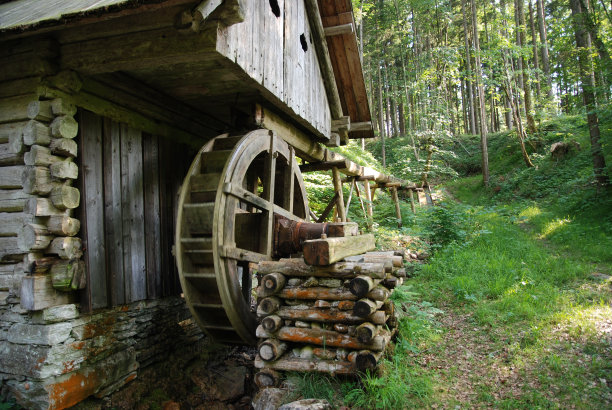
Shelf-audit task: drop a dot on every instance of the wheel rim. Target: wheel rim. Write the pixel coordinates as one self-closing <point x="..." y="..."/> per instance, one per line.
<point x="227" y="203"/>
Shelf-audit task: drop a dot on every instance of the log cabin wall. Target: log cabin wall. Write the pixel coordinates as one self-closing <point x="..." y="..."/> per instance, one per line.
<point x="54" y="353"/>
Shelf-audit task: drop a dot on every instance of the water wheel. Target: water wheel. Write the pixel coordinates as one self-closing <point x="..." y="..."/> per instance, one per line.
<point x="227" y="204"/>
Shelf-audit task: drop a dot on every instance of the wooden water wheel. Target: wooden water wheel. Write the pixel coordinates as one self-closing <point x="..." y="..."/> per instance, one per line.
<point x="227" y="204"/>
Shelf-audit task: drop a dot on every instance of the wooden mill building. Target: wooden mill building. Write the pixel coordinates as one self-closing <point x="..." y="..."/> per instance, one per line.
<point x="103" y="107"/>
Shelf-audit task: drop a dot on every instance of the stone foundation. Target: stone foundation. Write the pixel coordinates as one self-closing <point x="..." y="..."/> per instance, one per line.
<point x="56" y="357"/>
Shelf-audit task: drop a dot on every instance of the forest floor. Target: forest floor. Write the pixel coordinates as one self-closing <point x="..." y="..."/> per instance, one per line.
<point x="521" y="320"/>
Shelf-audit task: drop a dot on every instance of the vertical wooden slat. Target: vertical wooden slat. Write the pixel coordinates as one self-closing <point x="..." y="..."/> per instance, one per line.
<point x="133" y="214"/>
<point x="167" y="233"/>
<point x="93" y="192"/>
<point x="113" y="211"/>
<point x="152" y="215"/>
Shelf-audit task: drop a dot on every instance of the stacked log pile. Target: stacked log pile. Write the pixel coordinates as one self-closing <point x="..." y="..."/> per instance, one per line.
<point x="334" y="318"/>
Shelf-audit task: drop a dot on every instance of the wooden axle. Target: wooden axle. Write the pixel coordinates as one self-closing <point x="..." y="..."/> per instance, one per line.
<point x="289" y="235"/>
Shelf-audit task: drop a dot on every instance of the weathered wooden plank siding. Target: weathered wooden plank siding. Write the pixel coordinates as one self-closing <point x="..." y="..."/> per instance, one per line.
<point x="133" y="213"/>
<point x="93" y="193"/>
<point x="269" y="50"/>
<point x="112" y="210"/>
<point x="129" y="212"/>
<point x="152" y="214"/>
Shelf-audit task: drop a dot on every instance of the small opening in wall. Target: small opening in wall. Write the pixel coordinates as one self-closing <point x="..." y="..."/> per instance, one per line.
<point x="303" y="42"/>
<point x="275" y="8"/>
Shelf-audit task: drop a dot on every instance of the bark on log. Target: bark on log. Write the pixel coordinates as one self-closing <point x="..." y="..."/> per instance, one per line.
<point x="366" y="332"/>
<point x="298" y="267"/>
<point x="379" y="293"/>
<point x="387" y="262"/>
<point x="362" y="285"/>
<point x="307" y="365"/>
<point x="366" y="307"/>
<point x="322" y="337"/>
<point x="326" y="316"/>
<point x="327" y="251"/>
<point x="267" y="378"/>
<point x="271" y="323"/>
<point x="366" y="360"/>
<point x="314" y="293"/>
<point x="268" y="306"/>
<point x="272" y="349"/>
<point x="272" y="283"/>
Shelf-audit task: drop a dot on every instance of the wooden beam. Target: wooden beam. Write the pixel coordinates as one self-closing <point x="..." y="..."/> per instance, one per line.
<point x="325" y="165"/>
<point x="329" y="250"/>
<point x="361" y="126"/>
<point x="134" y="51"/>
<point x="340" y="199"/>
<point x="339" y="30"/>
<point x="328" y="208"/>
<point x="342" y="123"/>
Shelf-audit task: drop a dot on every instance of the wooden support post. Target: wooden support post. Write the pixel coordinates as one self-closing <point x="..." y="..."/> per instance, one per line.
<point x="338" y="188"/>
<point x="411" y="191"/>
<point x="368" y="194"/>
<point x="350" y="196"/>
<point x="398" y="211"/>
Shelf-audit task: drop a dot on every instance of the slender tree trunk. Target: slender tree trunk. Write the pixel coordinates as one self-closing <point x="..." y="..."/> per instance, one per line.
<point x="402" y="120"/>
<point x="531" y="127"/>
<point x="588" y="94"/>
<point x="468" y="69"/>
<point x="514" y="109"/>
<point x="534" y="42"/>
<point x="481" y="97"/>
<point x="544" y="46"/>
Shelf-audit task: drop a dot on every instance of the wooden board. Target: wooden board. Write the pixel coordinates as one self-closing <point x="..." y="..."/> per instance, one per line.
<point x="133" y="214"/>
<point x="152" y="214"/>
<point x="93" y="200"/>
<point x="112" y="211"/>
<point x="327" y="251"/>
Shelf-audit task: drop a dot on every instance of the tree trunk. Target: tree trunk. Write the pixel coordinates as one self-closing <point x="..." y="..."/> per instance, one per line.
<point x="534" y="42"/>
<point x="544" y="46"/>
<point x="468" y="69"/>
<point x="531" y="127"/>
<point x="588" y="94"/>
<point x="402" y="119"/>
<point x="481" y="97"/>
